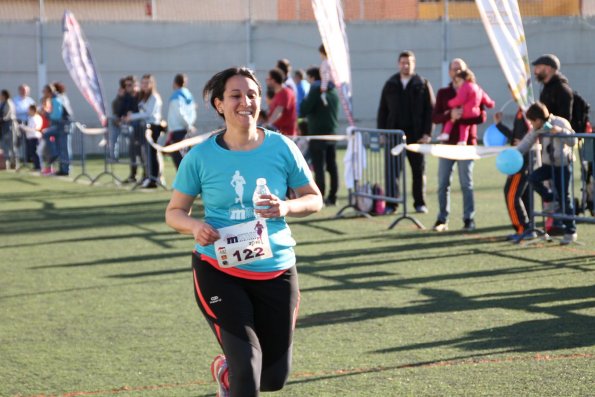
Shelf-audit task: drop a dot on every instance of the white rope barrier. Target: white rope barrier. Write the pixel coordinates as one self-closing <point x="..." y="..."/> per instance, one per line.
<point x="452" y="152"/>
<point x="195" y="140"/>
<point x="90" y="131"/>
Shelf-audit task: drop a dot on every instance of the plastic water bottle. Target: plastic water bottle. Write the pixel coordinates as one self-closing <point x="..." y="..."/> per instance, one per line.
<point x="261" y="189"/>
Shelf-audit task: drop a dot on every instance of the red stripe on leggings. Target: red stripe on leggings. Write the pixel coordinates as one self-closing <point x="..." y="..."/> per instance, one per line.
<point x="201" y="298"/>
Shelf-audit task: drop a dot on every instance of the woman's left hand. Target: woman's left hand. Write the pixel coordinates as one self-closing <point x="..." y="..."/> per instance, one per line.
<point x="277" y="207"/>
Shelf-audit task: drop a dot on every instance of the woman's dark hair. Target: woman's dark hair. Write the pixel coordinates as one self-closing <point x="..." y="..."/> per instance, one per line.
<point x="322" y="50"/>
<point x="143" y="96"/>
<point x="5" y="94"/>
<point x="50" y="88"/>
<point x="215" y="87"/>
<point x="180" y="79"/>
<point x="466" y="75"/>
<point x="314" y="72"/>
<point x="277" y="75"/>
<point x="537" y="111"/>
<point x="285" y="67"/>
<point x="60" y="88"/>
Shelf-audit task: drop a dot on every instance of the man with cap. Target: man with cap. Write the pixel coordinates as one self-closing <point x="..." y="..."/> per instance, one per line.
<point x="556" y="94"/>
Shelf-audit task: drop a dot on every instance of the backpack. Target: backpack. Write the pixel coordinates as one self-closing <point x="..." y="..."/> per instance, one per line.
<point x="379" y="204"/>
<point x="369" y="205"/>
<point x="580" y="113"/>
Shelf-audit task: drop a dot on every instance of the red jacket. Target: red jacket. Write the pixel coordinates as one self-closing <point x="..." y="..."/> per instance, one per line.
<point x="441" y="114"/>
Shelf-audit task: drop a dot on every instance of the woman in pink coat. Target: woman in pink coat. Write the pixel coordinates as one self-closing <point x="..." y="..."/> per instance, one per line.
<point x="470" y="97"/>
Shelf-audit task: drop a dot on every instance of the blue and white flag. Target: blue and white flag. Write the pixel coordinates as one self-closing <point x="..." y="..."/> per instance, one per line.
<point x="79" y="62"/>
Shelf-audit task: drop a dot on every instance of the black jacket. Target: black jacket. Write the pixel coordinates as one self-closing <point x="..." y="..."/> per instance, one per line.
<point x="520" y="127"/>
<point x="557" y="96"/>
<point x="408" y="109"/>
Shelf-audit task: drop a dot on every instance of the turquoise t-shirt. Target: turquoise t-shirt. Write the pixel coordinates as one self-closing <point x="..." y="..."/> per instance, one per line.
<point x="226" y="180"/>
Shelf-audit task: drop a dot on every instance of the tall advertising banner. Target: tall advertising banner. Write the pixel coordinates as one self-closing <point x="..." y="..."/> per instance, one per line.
<point x="79" y="62"/>
<point x="504" y="26"/>
<point x="329" y="17"/>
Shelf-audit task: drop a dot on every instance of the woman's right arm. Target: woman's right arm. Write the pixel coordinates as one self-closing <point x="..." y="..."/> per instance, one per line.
<point x="177" y="216"/>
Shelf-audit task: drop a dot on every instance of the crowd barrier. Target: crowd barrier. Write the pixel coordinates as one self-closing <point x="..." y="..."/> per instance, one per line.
<point x="581" y="205"/>
<point x="376" y="173"/>
<point x="115" y="140"/>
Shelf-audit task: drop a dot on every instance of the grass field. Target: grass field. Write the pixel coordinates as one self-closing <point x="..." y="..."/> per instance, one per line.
<point x="96" y="300"/>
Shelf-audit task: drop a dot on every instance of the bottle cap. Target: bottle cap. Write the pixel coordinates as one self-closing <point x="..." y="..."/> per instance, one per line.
<point x="261" y="181"/>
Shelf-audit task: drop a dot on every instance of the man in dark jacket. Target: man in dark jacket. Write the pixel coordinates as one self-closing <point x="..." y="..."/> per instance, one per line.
<point x="406" y="104"/>
<point x="556" y="94"/>
<point x="322" y="120"/>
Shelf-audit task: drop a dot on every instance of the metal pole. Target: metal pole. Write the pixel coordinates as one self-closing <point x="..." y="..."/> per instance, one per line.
<point x="249" y="61"/>
<point x="153" y="10"/>
<point x="445" y="63"/>
<point x="42" y="77"/>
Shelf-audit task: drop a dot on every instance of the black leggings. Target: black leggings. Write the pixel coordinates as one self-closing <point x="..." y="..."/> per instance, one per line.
<point x="254" y="323"/>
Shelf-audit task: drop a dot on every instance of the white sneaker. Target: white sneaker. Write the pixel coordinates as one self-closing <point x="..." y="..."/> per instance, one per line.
<point x="443" y="137"/>
<point x="440" y="226"/>
<point x="569" y="238"/>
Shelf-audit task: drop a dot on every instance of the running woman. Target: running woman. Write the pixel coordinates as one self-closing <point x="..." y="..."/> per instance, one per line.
<point x="246" y="286"/>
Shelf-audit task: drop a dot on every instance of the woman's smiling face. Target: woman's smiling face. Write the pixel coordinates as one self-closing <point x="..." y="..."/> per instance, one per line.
<point x="241" y="102"/>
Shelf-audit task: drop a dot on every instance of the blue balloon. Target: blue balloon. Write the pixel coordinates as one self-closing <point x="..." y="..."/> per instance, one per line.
<point x="493" y="137"/>
<point x="509" y="161"/>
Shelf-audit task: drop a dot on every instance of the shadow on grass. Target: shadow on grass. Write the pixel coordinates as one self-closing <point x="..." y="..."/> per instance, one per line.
<point x="564" y="329"/>
<point x="121" y="260"/>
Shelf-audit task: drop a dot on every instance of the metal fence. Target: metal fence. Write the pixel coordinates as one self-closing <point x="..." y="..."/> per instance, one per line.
<point x="578" y="208"/>
<point x="379" y="177"/>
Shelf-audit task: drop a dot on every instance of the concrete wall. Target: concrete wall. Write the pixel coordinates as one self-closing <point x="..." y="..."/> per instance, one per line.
<point x="200" y="50"/>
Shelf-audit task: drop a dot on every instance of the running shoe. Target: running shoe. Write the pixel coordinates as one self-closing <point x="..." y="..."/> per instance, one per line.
<point x="220" y="375"/>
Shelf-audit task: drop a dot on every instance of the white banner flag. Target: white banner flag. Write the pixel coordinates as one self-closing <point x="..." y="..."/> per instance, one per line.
<point x="329" y="17"/>
<point x="504" y="26"/>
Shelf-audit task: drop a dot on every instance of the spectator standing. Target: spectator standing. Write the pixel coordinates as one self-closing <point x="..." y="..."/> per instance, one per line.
<point x="470" y="98"/>
<point x="557" y="156"/>
<point x="558" y="97"/>
<point x="556" y="93"/>
<point x="47" y="146"/>
<point x="322" y="120"/>
<point x="326" y="76"/>
<point x="114" y="125"/>
<point x="516" y="194"/>
<point x="441" y="115"/>
<point x="22" y="101"/>
<point x="302" y="87"/>
<point x="285" y="66"/>
<point x="149" y="115"/>
<point x="406" y="104"/>
<point x="61" y="117"/>
<point x="282" y="108"/>
<point x="181" y="114"/>
<point x="129" y="104"/>
<point x="8" y="126"/>
<point x="33" y="136"/>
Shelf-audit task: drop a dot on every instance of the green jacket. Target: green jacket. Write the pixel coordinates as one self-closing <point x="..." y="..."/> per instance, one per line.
<point x="322" y="120"/>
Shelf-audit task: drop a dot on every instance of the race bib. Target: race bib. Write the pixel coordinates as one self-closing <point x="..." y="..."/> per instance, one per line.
<point x="243" y="243"/>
